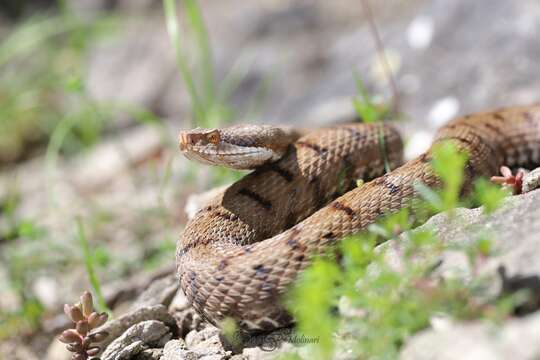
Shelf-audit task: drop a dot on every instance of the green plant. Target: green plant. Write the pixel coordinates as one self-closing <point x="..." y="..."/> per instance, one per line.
<point x="371" y="112"/>
<point x="41" y="62"/>
<point x="89" y="261"/>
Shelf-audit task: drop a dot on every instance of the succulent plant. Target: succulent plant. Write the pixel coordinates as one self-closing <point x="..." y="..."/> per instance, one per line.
<point x="80" y="340"/>
<point x="509" y="180"/>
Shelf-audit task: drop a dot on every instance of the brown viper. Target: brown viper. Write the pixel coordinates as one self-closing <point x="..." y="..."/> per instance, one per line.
<point x="241" y="252"/>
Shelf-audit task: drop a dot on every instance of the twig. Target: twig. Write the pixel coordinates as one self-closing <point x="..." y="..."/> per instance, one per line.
<point x="382" y="54"/>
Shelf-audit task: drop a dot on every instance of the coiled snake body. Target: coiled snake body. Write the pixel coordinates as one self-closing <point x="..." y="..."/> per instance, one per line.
<point x="240" y="253"/>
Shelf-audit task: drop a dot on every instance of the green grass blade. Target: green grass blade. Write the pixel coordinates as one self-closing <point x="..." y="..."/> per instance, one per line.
<point x="90" y="266"/>
<point x="169" y="7"/>
<point x="195" y="18"/>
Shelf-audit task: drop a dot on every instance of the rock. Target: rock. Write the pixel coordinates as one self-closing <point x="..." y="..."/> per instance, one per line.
<point x="176" y="349"/>
<point x="137" y="338"/>
<point x="179" y="302"/>
<point x="517" y="339"/>
<point x="265" y="353"/>
<point x="118" y="326"/>
<point x="194" y="338"/>
<point x="149" y="354"/>
<point x="531" y="180"/>
<point x="513" y="266"/>
<point x="187" y="319"/>
<point x="513" y="230"/>
<point x="161" y="291"/>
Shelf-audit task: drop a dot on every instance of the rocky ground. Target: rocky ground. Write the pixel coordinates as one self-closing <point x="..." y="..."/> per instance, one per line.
<point x="129" y="191"/>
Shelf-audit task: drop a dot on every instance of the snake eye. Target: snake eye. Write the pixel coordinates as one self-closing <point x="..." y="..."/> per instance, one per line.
<point x="213" y="137"/>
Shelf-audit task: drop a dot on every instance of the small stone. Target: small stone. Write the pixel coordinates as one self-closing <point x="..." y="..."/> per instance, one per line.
<point x="531" y="180"/>
<point x="179" y="302"/>
<point x="477" y="340"/>
<point x="136" y="339"/>
<point x="118" y="326"/>
<point x="149" y="354"/>
<point x="188" y="320"/>
<point x="194" y="338"/>
<point x="176" y="349"/>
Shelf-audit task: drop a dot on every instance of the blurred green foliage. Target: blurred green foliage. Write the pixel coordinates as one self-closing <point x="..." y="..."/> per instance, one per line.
<point x="42" y="60"/>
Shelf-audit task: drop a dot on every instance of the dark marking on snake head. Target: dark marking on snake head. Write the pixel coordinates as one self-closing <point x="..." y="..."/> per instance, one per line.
<point x="342" y="207"/>
<point x="256" y="197"/>
<point x="321" y="151"/>
<point x="223" y="264"/>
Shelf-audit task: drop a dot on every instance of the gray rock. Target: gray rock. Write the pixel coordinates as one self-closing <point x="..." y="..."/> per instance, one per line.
<point x="161" y="291"/>
<point x="174" y="349"/>
<point x="195" y="338"/>
<point x="517" y="339"/>
<point x="514" y="230"/>
<point x="137" y="338"/>
<point x="205" y="350"/>
<point x="119" y="326"/>
<point x="531" y="180"/>
<point x="149" y="354"/>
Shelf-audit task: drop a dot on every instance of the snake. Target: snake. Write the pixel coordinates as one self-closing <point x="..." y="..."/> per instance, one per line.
<point x="243" y="250"/>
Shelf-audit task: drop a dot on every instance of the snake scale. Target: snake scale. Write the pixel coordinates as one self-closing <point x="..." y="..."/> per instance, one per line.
<point x="241" y="252"/>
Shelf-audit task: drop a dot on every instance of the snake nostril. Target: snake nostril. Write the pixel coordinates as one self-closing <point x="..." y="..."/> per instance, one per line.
<point x="183" y="141"/>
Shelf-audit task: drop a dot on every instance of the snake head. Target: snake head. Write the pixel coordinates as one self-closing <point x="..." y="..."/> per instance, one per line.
<point x="237" y="147"/>
<point x="198" y="138"/>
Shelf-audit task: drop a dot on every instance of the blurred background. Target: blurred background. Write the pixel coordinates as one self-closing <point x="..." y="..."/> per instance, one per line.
<point x="94" y="92"/>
